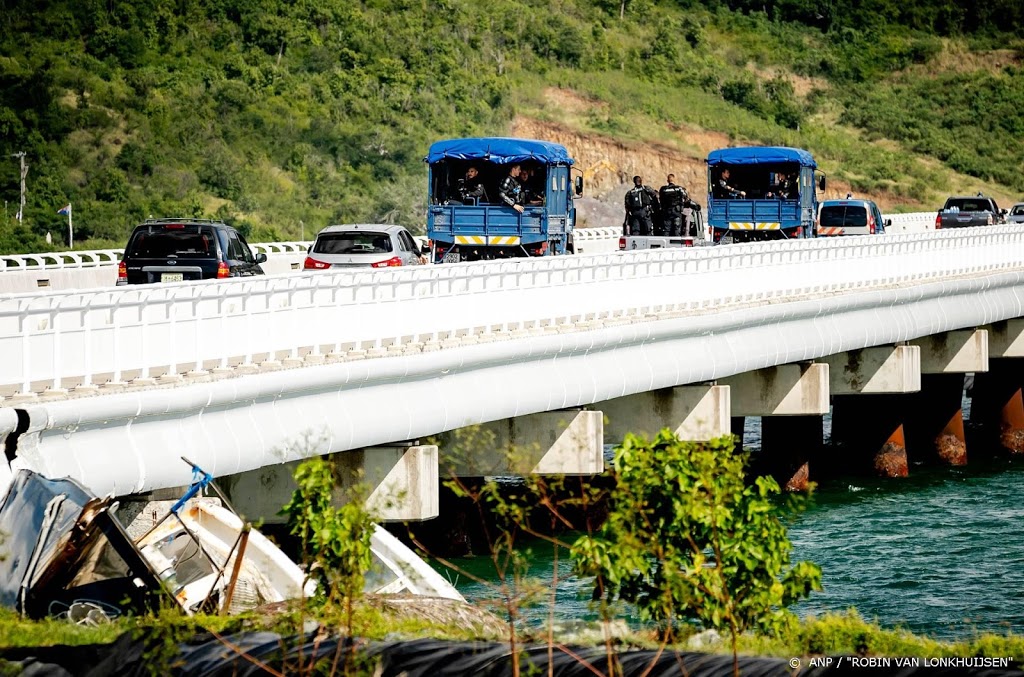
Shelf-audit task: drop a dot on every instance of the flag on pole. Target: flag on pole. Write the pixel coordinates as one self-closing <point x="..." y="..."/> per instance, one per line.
<point x="65" y="210"/>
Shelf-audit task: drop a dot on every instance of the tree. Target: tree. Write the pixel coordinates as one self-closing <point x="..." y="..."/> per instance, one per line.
<point x="687" y="539"/>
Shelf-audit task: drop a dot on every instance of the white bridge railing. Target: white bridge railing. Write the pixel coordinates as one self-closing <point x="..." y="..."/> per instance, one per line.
<point x="61" y="339"/>
<point x="10" y="263"/>
<point x="110" y="257"/>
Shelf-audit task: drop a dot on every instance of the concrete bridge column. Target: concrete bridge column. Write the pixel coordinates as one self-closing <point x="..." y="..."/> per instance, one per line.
<point x="997" y="406"/>
<point x="935" y="427"/>
<point x="791" y="400"/>
<point x="790" y="446"/>
<point x="870" y="399"/>
<point x="738" y="423"/>
<point x="936" y="423"/>
<point x="868" y="435"/>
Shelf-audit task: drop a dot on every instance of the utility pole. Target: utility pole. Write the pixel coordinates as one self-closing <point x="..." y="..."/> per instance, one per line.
<point x="24" y="173"/>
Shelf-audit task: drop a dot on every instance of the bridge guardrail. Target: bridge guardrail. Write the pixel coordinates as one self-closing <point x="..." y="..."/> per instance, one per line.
<point x="108" y="257"/>
<point x="61" y="339"/>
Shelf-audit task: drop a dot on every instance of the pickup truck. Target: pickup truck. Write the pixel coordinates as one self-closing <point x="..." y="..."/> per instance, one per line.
<point x="631" y="242"/>
<point x="962" y="212"/>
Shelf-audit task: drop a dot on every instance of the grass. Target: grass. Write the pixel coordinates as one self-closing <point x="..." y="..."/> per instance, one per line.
<point x="379" y="618"/>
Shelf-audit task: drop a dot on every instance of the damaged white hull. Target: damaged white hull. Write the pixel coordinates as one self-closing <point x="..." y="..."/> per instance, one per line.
<point x="266" y="575"/>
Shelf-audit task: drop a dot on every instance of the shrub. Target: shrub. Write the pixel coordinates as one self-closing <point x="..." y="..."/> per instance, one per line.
<point x="688" y="539"/>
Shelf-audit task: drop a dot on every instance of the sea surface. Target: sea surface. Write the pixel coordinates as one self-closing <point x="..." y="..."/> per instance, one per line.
<point x="940" y="553"/>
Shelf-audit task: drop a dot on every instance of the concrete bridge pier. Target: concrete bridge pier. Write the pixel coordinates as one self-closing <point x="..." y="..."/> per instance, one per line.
<point x="738" y="423"/>
<point x="936" y="425"/>
<point x="791" y="400"/>
<point x="567" y="442"/>
<point x="868" y="435"/>
<point x="870" y="400"/>
<point x="790" y="447"/>
<point x="997" y="405"/>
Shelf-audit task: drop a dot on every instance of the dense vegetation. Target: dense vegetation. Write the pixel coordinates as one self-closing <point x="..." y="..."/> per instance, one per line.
<point x="285" y="115"/>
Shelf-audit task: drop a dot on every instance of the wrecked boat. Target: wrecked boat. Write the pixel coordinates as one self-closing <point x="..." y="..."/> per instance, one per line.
<point x="67" y="555"/>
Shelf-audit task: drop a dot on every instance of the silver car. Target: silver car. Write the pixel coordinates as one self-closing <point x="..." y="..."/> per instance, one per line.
<point x="1016" y="213"/>
<point x="363" y="246"/>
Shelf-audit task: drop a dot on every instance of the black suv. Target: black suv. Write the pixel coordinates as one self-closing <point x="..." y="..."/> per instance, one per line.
<point x="175" y="250"/>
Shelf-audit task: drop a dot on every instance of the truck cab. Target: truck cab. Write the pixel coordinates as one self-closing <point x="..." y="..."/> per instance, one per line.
<point x="468" y="220"/>
<point x="762" y="193"/>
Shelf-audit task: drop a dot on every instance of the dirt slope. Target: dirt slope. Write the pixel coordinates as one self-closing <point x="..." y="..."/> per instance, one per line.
<point x="608" y="166"/>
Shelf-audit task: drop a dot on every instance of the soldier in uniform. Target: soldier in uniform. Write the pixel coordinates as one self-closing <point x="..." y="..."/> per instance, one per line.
<point x="471" y="191"/>
<point x="510" y="191"/>
<point x="641" y="204"/>
<point x="533" y="192"/>
<point x="726" y="190"/>
<point x="673" y="199"/>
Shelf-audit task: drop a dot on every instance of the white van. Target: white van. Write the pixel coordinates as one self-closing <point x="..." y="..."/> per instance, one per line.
<point x="849" y="217"/>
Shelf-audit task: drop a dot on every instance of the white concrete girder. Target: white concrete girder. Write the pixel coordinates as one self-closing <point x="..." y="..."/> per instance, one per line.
<point x="696" y="413"/>
<point x="885" y="369"/>
<point x="954" y="352"/>
<point x="799" y="389"/>
<point x="565" y="442"/>
<point x="402" y="481"/>
<point x="1006" y="339"/>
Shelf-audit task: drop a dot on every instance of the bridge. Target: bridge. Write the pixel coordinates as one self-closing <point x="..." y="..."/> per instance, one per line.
<point x="556" y="355"/>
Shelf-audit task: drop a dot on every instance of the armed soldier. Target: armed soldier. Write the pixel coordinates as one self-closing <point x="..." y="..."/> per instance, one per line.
<point x="471" y="190"/>
<point x="510" y="191"/>
<point x="641" y="204"/>
<point x="674" y="199"/>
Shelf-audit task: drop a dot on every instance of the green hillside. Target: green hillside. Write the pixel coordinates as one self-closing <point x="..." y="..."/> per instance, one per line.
<point x="283" y="116"/>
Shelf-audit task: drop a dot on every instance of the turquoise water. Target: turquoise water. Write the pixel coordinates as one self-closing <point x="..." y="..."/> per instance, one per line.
<point x="940" y="553"/>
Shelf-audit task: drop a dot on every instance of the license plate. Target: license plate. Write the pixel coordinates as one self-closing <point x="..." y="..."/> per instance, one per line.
<point x="172" y="277"/>
<point x="452" y="257"/>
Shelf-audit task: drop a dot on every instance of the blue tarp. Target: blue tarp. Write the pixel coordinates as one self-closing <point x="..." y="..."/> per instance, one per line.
<point x="759" y="155"/>
<point x="501" y="151"/>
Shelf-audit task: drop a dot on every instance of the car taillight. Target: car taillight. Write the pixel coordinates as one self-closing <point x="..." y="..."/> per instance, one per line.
<point x="687" y="243"/>
<point x="622" y="243"/>
<point x="871" y="225"/>
<point x="990" y="220"/>
<point x="312" y="264"/>
<point x="938" y="221"/>
<point x="223" y="270"/>
<point x="393" y="262"/>
<point x="122" y="273"/>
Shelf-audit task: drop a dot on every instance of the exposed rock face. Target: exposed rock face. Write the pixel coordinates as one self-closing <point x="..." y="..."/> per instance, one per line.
<point x="609" y="164"/>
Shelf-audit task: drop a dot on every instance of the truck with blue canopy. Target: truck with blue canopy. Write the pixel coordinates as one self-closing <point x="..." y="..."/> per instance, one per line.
<point x="466" y="224"/>
<point x="762" y="193"/>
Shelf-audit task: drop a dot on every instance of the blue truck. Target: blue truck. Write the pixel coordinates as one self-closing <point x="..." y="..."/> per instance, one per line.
<point x="467" y="220"/>
<point x="762" y="193"/>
